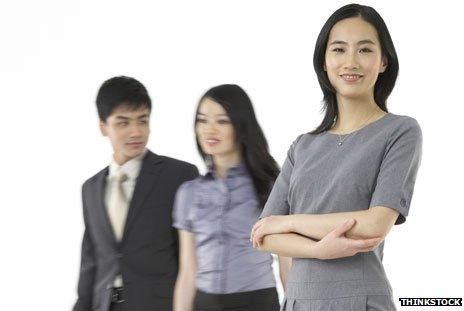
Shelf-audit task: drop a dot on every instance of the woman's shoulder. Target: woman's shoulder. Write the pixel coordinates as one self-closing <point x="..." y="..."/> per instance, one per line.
<point x="303" y="139"/>
<point x="404" y="119"/>
<point x="192" y="186"/>
<point x="402" y="124"/>
<point x="189" y="188"/>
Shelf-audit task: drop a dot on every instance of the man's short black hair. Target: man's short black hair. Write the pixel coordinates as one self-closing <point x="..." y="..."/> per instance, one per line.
<point x="121" y="91"/>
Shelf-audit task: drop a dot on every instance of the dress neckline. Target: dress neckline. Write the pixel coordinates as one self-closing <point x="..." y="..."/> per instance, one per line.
<point x="364" y="127"/>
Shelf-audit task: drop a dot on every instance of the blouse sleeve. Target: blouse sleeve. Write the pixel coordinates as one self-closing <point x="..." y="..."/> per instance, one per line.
<point x="398" y="170"/>
<point x="182" y="207"/>
<point x="277" y="203"/>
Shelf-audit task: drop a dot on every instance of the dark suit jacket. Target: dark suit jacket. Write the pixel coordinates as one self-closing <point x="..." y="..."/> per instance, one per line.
<point x="147" y="255"/>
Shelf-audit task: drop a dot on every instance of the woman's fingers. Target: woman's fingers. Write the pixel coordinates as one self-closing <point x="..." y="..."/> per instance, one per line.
<point x="257" y="238"/>
<point x="369" y="248"/>
<point x="365" y="243"/>
<point x="256" y="242"/>
<point x="253" y="230"/>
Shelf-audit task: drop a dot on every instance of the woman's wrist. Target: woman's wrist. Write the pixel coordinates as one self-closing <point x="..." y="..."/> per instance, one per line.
<point x="313" y="249"/>
<point x="317" y="250"/>
<point x="290" y="223"/>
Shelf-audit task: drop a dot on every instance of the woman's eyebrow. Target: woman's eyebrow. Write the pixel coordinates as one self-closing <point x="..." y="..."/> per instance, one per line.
<point x="365" y="41"/>
<point x="338" y="42"/>
<point x="216" y="115"/>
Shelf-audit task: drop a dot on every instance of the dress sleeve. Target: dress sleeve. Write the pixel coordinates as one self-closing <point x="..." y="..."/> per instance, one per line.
<point x="183" y="204"/>
<point x="277" y="203"/>
<point x="398" y="171"/>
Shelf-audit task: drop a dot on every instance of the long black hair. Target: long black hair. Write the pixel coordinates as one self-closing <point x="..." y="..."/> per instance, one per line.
<point x="250" y="138"/>
<point x="385" y="81"/>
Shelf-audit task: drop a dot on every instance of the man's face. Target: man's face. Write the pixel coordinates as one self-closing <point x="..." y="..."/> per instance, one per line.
<point x="128" y="131"/>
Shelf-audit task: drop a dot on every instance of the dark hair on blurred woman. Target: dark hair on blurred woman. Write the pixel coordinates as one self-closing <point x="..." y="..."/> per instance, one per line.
<point x="386" y="80"/>
<point x="250" y="138"/>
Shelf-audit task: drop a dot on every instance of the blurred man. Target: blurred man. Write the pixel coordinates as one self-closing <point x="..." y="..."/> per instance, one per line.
<point x="129" y="249"/>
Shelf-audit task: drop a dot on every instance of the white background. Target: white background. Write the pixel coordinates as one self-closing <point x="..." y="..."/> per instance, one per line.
<point x="55" y="54"/>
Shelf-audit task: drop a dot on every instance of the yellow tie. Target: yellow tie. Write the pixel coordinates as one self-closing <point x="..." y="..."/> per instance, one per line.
<point x="117" y="204"/>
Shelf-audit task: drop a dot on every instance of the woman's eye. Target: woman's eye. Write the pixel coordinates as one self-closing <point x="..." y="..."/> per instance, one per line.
<point x="198" y="120"/>
<point x="143" y="121"/>
<point x="338" y="50"/>
<point x="122" y="123"/>
<point x="366" y="50"/>
<point x="223" y="121"/>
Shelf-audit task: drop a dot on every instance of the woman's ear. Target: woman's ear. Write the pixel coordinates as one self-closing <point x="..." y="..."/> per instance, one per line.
<point x="384" y="64"/>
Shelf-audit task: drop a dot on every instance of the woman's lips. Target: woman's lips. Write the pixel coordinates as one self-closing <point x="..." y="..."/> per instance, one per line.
<point x="211" y="142"/>
<point x="351" y="77"/>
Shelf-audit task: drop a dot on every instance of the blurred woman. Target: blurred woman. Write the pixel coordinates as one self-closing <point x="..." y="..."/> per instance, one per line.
<point x="218" y="267"/>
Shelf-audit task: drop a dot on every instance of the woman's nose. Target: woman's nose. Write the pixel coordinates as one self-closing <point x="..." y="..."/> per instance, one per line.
<point x="351" y="61"/>
<point x="210" y="128"/>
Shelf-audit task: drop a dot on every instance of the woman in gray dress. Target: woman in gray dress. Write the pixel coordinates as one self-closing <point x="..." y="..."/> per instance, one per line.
<point x="357" y="169"/>
<point x="218" y="268"/>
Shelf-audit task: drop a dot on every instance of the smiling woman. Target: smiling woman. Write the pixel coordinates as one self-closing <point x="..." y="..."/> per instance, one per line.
<point x="351" y="178"/>
<point x="219" y="270"/>
<point x="353" y="58"/>
<point x="216" y="134"/>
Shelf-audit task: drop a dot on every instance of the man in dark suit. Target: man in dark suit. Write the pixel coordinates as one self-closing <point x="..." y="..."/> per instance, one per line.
<point x="129" y="249"/>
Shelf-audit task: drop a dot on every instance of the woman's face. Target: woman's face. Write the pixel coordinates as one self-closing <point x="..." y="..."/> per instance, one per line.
<point x="214" y="129"/>
<point x="353" y="58"/>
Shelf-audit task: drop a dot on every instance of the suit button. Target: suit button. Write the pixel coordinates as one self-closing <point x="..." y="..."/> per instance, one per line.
<point x="403" y="202"/>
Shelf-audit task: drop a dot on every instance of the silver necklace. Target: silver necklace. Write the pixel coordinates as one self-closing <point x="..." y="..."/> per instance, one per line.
<point x="342" y="139"/>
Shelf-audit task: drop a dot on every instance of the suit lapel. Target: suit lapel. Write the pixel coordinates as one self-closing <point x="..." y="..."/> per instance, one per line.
<point x="101" y="207"/>
<point x="146" y="182"/>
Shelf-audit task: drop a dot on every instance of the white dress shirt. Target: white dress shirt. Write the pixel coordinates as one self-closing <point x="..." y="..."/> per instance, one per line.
<point x="131" y="169"/>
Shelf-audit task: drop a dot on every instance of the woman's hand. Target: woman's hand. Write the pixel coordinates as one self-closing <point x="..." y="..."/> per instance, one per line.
<point x="269" y="225"/>
<point x="336" y="245"/>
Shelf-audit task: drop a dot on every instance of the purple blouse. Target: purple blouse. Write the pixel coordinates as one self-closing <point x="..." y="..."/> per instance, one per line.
<point x="221" y="213"/>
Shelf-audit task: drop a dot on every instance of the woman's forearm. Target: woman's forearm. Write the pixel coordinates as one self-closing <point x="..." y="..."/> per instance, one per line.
<point x="184" y="291"/>
<point x="285" y="263"/>
<point x="334" y="245"/>
<point x="289" y="245"/>
<point x="374" y="222"/>
<point x="316" y="226"/>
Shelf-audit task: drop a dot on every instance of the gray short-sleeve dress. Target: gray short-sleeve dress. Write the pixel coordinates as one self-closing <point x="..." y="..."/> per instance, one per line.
<point x="376" y="165"/>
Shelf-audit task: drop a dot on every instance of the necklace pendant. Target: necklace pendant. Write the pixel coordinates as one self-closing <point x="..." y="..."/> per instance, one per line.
<point x="340" y="143"/>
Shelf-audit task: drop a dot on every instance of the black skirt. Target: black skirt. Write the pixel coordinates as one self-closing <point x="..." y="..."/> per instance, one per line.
<point x="257" y="300"/>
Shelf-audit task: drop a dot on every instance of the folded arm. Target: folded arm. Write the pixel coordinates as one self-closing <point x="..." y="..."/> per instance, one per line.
<point x="371" y="223"/>
<point x="334" y="245"/>
<point x="289" y="245"/>
<point x="374" y="222"/>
